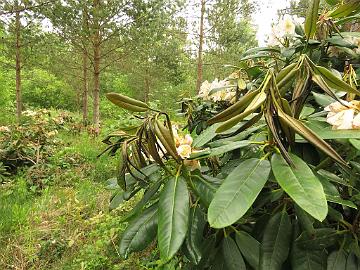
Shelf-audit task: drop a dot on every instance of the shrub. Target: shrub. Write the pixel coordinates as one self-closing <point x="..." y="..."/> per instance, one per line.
<point x="270" y="182"/>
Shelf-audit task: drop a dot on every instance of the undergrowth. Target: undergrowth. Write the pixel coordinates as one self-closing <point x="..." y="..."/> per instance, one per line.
<point x="55" y="213"/>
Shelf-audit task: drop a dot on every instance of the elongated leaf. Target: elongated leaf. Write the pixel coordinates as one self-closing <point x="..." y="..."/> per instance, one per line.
<point x="275" y="245"/>
<point x="239" y="137"/>
<point x="261" y="49"/>
<point x="164" y="134"/>
<point x="311" y="18"/>
<point x="301" y="185"/>
<point x="238" y="192"/>
<point x="173" y="217"/>
<point x="116" y="200"/>
<point x="310" y="136"/>
<point x="352" y="262"/>
<point x="204" y="190"/>
<point x="322" y="99"/>
<point x="206" y="136"/>
<point x="318" y="239"/>
<point x="355" y="143"/>
<point x="336" y="260"/>
<point x="307" y="259"/>
<point x="234" y="109"/>
<point x="140" y="233"/>
<point x="285" y="75"/>
<point x="333" y="195"/>
<point x="127" y="103"/>
<point x="305" y="220"/>
<point x="217" y="151"/>
<point x="333" y="81"/>
<point x="253" y="106"/>
<point x="194" y="237"/>
<point x="325" y="132"/>
<point x="250" y="248"/>
<point x="148" y="195"/>
<point x="345" y="9"/>
<point x="232" y="256"/>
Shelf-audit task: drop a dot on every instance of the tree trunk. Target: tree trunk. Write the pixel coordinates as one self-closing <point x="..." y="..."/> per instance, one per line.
<point x="147" y="86"/>
<point x="96" y="44"/>
<point x="18" y="63"/>
<point x="200" y="52"/>
<point x="85" y="89"/>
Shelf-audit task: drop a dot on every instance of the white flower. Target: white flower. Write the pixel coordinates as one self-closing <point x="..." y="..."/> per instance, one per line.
<point x="287" y="25"/>
<point x="204" y="90"/>
<point x="284" y="28"/>
<point x="343" y="115"/>
<point x="29" y="113"/>
<point x="184" y="151"/>
<point x="4" y="129"/>
<point x="356" y="122"/>
<point x="355" y="41"/>
<point x="225" y="94"/>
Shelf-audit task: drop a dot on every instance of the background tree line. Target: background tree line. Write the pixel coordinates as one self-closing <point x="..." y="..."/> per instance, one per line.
<point x="67" y="54"/>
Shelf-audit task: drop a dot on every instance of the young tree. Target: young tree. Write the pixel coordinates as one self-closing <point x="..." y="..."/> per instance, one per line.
<point x="200" y="49"/>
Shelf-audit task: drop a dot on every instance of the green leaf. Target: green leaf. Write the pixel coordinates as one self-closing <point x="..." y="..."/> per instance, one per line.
<point x="117" y="200"/>
<point x="249" y="247"/>
<point x="345" y="9"/>
<point x="336" y="260"/>
<point x="203" y="189"/>
<point x="301" y="185"/>
<point x="127" y="103"/>
<point x="232" y="256"/>
<point x="305" y="220"/>
<point x="333" y="81"/>
<point x="257" y="101"/>
<point x="311" y="18"/>
<point x="333" y="195"/>
<point x="317" y="239"/>
<point x="173" y="217"/>
<point x="355" y="143"/>
<point x="206" y="136"/>
<point x="217" y="151"/>
<point x="238" y="192"/>
<point x="139" y="233"/>
<point x="340" y="42"/>
<point x="322" y="99"/>
<point x="275" y="245"/>
<point x="311" y="137"/>
<point x="326" y="133"/>
<point x="352" y="262"/>
<point x="148" y="195"/>
<point x="332" y="2"/>
<point x="307" y="259"/>
<point x="194" y="238"/>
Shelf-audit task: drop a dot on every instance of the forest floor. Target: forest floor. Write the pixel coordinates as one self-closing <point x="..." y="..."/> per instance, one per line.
<point x="56" y="216"/>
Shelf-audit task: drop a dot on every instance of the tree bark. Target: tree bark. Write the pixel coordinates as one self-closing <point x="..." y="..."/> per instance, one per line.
<point x="97" y="58"/>
<point x="18" y="63"/>
<point x="147" y="86"/>
<point x="85" y="69"/>
<point x="200" y="51"/>
<point x="85" y="89"/>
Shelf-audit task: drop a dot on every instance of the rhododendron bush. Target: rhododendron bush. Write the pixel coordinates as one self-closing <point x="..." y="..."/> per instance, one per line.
<point x="265" y="174"/>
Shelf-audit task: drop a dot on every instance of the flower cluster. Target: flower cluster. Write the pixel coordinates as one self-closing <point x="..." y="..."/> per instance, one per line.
<point x="4" y="129"/>
<point x="184" y="149"/>
<point x="284" y="29"/>
<point x="344" y="115"/>
<point x="355" y="41"/>
<point x="225" y="94"/>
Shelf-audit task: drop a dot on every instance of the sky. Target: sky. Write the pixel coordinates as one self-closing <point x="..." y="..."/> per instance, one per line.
<point x="266" y="14"/>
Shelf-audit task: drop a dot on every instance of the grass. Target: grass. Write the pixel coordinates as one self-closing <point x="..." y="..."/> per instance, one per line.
<point x="64" y="224"/>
